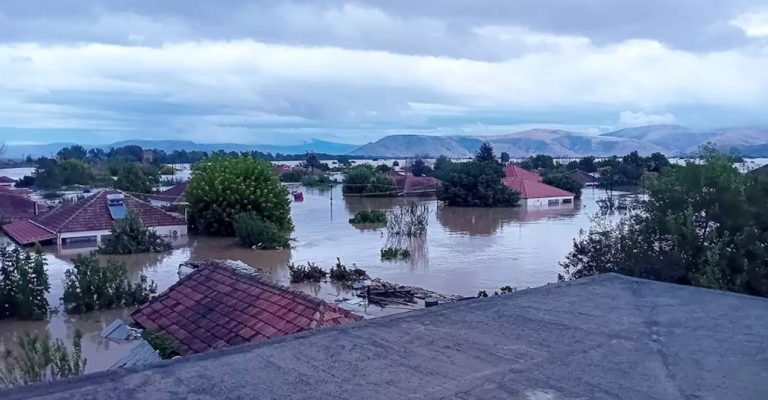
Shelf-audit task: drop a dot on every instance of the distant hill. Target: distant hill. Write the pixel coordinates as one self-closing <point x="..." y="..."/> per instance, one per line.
<point x="668" y="139"/>
<point x="318" y="146"/>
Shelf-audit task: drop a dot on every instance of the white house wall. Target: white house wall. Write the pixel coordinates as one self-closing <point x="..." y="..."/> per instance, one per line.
<point x="544" y="202"/>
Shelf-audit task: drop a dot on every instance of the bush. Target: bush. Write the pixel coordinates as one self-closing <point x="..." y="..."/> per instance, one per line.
<point x="306" y="273"/>
<point x="167" y="170"/>
<point x="41" y="360"/>
<point x="365" y="180"/>
<point x="253" y="231"/>
<point x="134" y="179"/>
<point x="564" y="182"/>
<point x="317" y="180"/>
<point x="340" y="273"/>
<point x="23" y="284"/>
<point x="90" y="286"/>
<point x="129" y="236"/>
<point x="369" y="217"/>
<point x="223" y="187"/>
<point x="409" y="221"/>
<point x="295" y="175"/>
<point x="166" y="345"/>
<point x="394" y="253"/>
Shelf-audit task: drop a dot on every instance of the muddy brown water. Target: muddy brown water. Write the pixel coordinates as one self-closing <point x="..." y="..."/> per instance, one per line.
<point x="465" y="250"/>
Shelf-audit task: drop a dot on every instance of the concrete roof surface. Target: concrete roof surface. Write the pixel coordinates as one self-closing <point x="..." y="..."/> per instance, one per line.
<point x="608" y="337"/>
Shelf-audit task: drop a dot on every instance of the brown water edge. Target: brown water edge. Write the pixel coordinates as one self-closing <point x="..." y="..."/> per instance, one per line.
<point x="465" y="250"/>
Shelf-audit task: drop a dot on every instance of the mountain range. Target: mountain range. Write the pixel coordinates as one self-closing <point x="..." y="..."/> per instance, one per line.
<point x="672" y="140"/>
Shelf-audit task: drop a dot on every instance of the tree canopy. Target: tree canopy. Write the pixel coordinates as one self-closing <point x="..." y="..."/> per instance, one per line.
<point x="368" y="181"/>
<point x="476" y="183"/>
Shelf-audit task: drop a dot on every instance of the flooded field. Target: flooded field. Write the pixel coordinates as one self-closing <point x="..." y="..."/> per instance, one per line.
<point x="465" y="250"/>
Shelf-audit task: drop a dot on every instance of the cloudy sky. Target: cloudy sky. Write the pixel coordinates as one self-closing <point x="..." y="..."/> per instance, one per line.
<point x="95" y="71"/>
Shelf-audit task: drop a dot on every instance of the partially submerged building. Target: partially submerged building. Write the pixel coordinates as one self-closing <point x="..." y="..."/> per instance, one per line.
<point x="91" y="219"/>
<point x="584" y="178"/>
<point x="172" y="195"/>
<point x="218" y="305"/>
<point x="533" y="192"/>
<point x="6" y="181"/>
<point x="409" y="185"/>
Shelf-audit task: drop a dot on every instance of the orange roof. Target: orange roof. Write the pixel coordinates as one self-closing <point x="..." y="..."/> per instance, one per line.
<point x="530" y="189"/>
<point x="514" y="171"/>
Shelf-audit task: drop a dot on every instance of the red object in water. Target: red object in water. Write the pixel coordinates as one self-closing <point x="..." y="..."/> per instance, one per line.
<point x="298" y="196"/>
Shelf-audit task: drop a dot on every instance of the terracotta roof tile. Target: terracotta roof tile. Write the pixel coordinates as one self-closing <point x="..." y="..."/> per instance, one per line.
<point x="5" y="179"/>
<point x="26" y="232"/>
<point x="216" y="303"/>
<point x="514" y="171"/>
<point x="534" y="189"/>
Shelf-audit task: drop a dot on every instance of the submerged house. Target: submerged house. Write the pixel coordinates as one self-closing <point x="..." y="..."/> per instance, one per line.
<point x="91" y="219"/>
<point x="533" y="192"/>
<point x="172" y="195"/>
<point x="409" y="185"/>
<point x="218" y="305"/>
<point x="584" y="178"/>
<point x="14" y="207"/>
<point x="6" y="181"/>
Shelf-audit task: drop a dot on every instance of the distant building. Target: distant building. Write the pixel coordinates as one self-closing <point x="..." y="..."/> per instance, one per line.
<point x="6" y="181"/>
<point x="533" y="192"/>
<point x="584" y="178"/>
<point x="218" y="305"/>
<point x="91" y="219"/>
<point x="172" y="195"/>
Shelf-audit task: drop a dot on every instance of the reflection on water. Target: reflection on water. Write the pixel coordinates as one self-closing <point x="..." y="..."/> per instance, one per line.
<point x="465" y="250"/>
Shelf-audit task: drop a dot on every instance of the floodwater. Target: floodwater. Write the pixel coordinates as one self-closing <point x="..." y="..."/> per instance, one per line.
<point x="465" y="250"/>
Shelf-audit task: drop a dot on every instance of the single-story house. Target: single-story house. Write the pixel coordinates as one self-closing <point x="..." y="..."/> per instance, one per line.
<point x="409" y="185"/>
<point x="91" y="219"/>
<point x="172" y="195"/>
<point x="6" y="181"/>
<point x="219" y="305"/>
<point x="14" y="207"/>
<point x="584" y="178"/>
<point x="533" y="192"/>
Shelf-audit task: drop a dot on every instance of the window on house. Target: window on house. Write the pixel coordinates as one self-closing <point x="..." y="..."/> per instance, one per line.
<point x="553" y="202"/>
<point x="567" y="201"/>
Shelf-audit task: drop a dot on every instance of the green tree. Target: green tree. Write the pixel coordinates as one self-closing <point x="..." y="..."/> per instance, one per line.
<point x="564" y="182"/>
<point x="485" y="153"/>
<point x="442" y="166"/>
<point x="253" y="231"/>
<point x="476" y="184"/>
<point x="41" y="359"/>
<point x="73" y="152"/>
<point x="420" y="168"/>
<point x="366" y="180"/>
<point x="23" y="284"/>
<point x="701" y="224"/>
<point x="223" y="187"/>
<point x="133" y="179"/>
<point x="130" y="236"/>
<point x="587" y="164"/>
<point x="505" y="157"/>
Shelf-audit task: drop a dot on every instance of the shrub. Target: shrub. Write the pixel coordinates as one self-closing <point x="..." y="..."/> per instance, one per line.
<point x="369" y="217"/>
<point x="167" y="170"/>
<point x="564" y="182"/>
<point x="340" y="273"/>
<point x="129" y="236"/>
<point x="409" y="221"/>
<point x="41" y="359"/>
<point x="317" y="180"/>
<point x="306" y="273"/>
<point x="394" y="253"/>
<point x="166" y="345"/>
<point x="365" y="180"/>
<point x="295" y="175"/>
<point x="253" y="231"/>
<point x="223" y="187"/>
<point x="23" y="284"/>
<point x="90" y="286"/>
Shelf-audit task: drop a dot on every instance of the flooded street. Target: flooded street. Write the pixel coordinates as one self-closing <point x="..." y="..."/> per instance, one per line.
<point x="465" y="250"/>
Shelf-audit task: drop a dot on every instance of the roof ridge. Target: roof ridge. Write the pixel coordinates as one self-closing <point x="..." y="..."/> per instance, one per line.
<point x="149" y="204"/>
<point x="35" y="223"/>
<point x="85" y="203"/>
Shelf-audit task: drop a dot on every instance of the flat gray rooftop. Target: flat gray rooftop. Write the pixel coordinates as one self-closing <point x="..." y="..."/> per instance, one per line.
<point x="609" y="337"/>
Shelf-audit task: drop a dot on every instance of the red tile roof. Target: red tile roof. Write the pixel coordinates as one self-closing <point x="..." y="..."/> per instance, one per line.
<point x="92" y="214"/>
<point x="174" y="194"/>
<point x="26" y="232"/>
<point x="217" y="306"/>
<point x="14" y="206"/>
<point x="409" y="185"/>
<point x="514" y="171"/>
<point x="531" y="189"/>
<point x="5" y="179"/>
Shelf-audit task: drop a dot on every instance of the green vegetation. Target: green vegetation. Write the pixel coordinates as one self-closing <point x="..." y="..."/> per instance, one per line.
<point x="295" y="175"/>
<point x="130" y="236"/>
<point x="306" y="273"/>
<point x="442" y="166"/>
<point x="23" y="284"/>
<point x="90" y="286"/>
<point x="476" y="183"/>
<point x="367" y="181"/>
<point x="564" y="182"/>
<point x="369" y="217"/>
<point x="700" y="224"/>
<point x="394" y="253"/>
<point x="53" y="174"/>
<point x="342" y="274"/>
<point x="254" y="231"/>
<point x="503" y="290"/>
<point x="134" y="179"/>
<point x="630" y="169"/>
<point x="504" y="157"/>
<point x="223" y="187"/>
<point x="41" y="359"/>
<point x="408" y="221"/>
<point x="167" y="170"/>
<point x="317" y="180"/>
<point x="420" y="168"/>
<point x="166" y="346"/>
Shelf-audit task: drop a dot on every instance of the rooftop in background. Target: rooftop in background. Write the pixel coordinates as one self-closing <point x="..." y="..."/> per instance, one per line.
<point x="4" y="180"/>
<point x="409" y="185"/>
<point x="16" y="206"/>
<point x="515" y="171"/>
<point x="217" y="306"/>
<point x="172" y="195"/>
<point x="601" y="338"/>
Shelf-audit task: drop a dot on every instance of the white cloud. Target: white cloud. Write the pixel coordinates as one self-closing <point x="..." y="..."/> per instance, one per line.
<point x="639" y="118"/>
<point x="753" y="24"/>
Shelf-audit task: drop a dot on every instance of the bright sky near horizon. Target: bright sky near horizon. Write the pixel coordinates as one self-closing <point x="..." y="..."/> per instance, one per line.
<point x="97" y="71"/>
